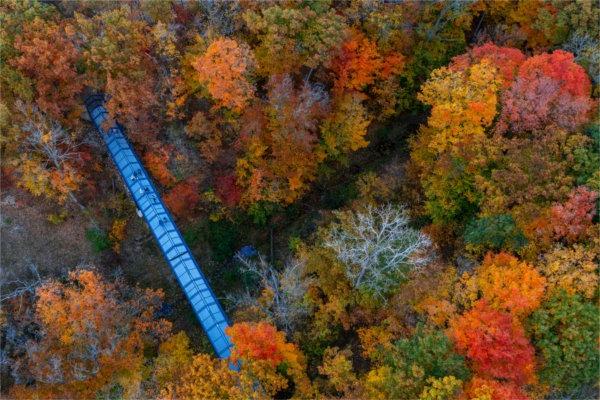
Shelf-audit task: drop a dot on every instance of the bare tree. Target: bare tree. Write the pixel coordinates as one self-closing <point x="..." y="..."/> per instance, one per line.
<point x="377" y="246"/>
<point x="286" y="288"/>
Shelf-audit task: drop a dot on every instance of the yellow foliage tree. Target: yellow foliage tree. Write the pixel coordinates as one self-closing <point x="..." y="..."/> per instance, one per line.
<point x="463" y="103"/>
<point x="223" y="68"/>
<point x="574" y="269"/>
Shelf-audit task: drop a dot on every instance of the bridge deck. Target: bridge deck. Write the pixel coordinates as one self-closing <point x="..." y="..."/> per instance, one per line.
<point x="179" y="257"/>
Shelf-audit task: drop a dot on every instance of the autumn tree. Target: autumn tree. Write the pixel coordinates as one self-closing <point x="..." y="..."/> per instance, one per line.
<point x="510" y="285"/>
<point x="549" y="90"/>
<point x="573" y="269"/>
<point x="409" y="364"/>
<point x="377" y="246"/>
<point x="485" y="388"/>
<point x="264" y="349"/>
<point x="344" y="129"/>
<point x="48" y="56"/>
<point x="282" y="291"/>
<point x="506" y="59"/>
<point x="92" y="335"/>
<point x="463" y="104"/>
<point x="565" y="332"/>
<point x="573" y="219"/>
<point x="358" y="63"/>
<point x="290" y="37"/>
<point x="495" y="344"/>
<point x="183" y="198"/>
<point x="280" y="151"/>
<point x="224" y="69"/>
<point x="51" y="162"/>
<point x="117" y="52"/>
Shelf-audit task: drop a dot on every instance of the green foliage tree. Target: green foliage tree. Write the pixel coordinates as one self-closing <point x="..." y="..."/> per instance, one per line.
<point x="496" y="232"/>
<point x="565" y="332"/>
<point x="408" y="365"/>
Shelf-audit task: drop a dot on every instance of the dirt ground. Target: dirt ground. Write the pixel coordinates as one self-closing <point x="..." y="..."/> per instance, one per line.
<point x="28" y="238"/>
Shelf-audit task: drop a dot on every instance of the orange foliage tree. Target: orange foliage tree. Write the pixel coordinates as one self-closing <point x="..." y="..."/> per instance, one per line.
<point x="495" y="343"/>
<point x="479" y="388"/>
<point x="262" y="344"/>
<point x="509" y="284"/>
<point x="92" y="335"/>
<point x="224" y="69"/>
<point x="358" y="63"/>
<point x="506" y="59"/>
<point x="156" y="160"/>
<point x="280" y="143"/>
<point x="49" y="57"/>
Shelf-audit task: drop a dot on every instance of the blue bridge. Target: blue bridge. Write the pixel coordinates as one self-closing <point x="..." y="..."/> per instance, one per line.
<point x="204" y="303"/>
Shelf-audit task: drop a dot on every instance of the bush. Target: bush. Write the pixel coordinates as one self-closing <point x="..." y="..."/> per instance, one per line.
<point x="98" y="239"/>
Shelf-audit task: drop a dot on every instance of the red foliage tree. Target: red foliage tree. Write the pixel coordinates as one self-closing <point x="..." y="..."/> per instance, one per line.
<point x="228" y="190"/>
<point x="572" y="219"/>
<point x="550" y="90"/>
<point x="506" y="59"/>
<point x="495" y="343"/>
<point x="183" y="198"/>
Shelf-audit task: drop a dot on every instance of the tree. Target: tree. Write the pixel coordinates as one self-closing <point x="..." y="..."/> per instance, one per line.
<point x="156" y="160"/>
<point x="377" y="246"/>
<point x="495" y="344"/>
<point x="344" y="130"/>
<point x="337" y="367"/>
<point x="282" y="296"/>
<point x="510" y="285"/>
<point x="261" y="345"/>
<point x="496" y="232"/>
<point x="92" y="335"/>
<point x="358" y="63"/>
<point x="224" y="68"/>
<point x="527" y="175"/>
<point x="463" y="104"/>
<point x="174" y="356"/>
<point x="49" y="57"/>
<point x="209" y="136"/>
<point x="51" y="162"/>
<point x="550" y="90"/>
<point x="209" y="378"/>
<point x="183" y="198"/>
<point x="565" y="332"/>
<point x="573" y="219"/>
<point x="506" y="59"/>
<point x="280" y="152"/>
<point x="480" y="388"/>
<point x="409" y="364"/>
<point x="445" y="388"/>
<point x="117" y="53"/>
<point x="573" y="269"/>
<point x="290" y="37"/>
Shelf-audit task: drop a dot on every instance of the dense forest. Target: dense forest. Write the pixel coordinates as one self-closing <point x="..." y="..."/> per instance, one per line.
<point x="391" y="199"/>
